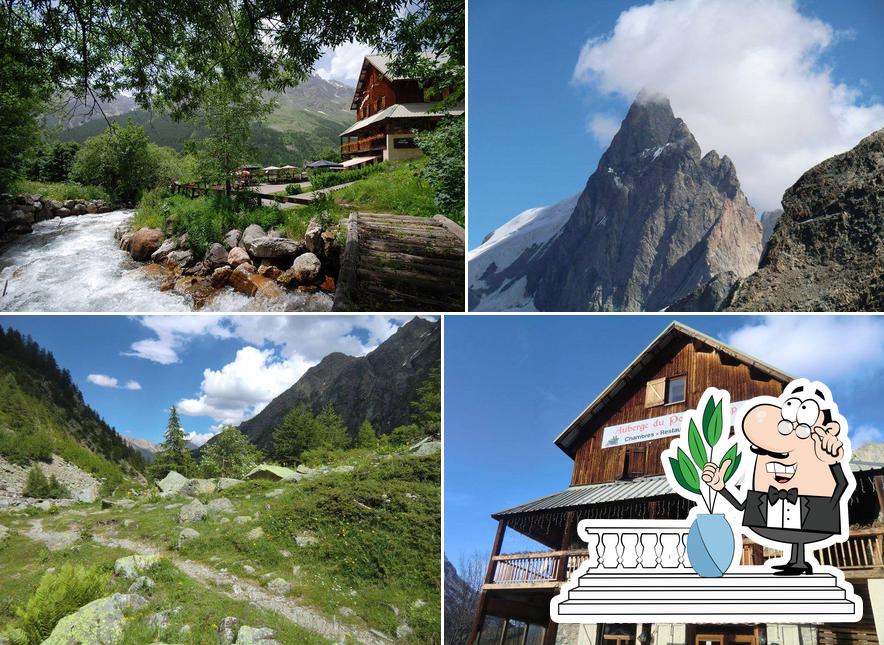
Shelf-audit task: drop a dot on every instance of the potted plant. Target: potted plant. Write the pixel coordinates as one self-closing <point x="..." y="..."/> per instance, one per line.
<point x="711" y="539"/>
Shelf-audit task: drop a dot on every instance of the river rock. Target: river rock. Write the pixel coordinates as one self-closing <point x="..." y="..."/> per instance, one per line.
<point x="221" y="505"/>
<point x="100" y="622"/>
<point x="313" y="237"/>
<point x="69" y="203"/>
<point x="274" y="247"/>
<point x="172" y="483"/>
<point x="64" y="211"/>
<point x="200" y="289"/>
<point x="220" y="276"/>
<point x="231" y="239"/>
<point x="252" y="232"/>
<point x="237" y="256"/>
<point x="265" y="287"/>
<point x="307" y="269"/>
<point x="224" y="483"/>
<point x="269" y="271"/>
<point x="179" y="259"/>
<point x="144" y="242"/>
<point x="196" y="511"/>
<point x="19" y="221"/>
<point x="240" y="281"/>
<point x="256" y="636"/>
<point x="133" y="566"/>
<point x="80" y="209"/>
<point x="91" y="207"/>
<point x="187" y="535"/>
<point x="165" y="248"/>
<point x="216" y="256"/>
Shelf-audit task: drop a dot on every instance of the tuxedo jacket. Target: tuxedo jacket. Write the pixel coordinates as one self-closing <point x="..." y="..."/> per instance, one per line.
<point x="818" y="514"/>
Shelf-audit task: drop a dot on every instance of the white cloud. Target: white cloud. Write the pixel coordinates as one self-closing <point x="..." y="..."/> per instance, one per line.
<point x="864" y="434"/>
<point x="747" y="77"/>
<point x="199" y="439"/>
<point x="603" y="127"/>
<point x="243" y="387"/>
<point x="172" y="333"/>
<point x="831" y="349"/>
<point x="343" y="63"/>
<point x="102" y="380"/>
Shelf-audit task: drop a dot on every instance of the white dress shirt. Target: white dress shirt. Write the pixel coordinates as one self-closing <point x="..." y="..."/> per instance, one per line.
<point x="784" y="515"/>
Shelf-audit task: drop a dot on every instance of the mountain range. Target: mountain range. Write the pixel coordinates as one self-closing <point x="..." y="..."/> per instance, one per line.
<point x="659" y="226"/>
<point x="308" y="118"/>
<point x="377" y="387"/>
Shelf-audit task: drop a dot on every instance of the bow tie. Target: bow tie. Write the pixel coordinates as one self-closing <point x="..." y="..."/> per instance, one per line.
<point x="776" y="494"/>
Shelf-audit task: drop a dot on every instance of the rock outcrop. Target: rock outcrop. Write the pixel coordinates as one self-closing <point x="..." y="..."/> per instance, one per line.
<point x="655" y="221"/>
<point x="100" y="622"/>
<point x="379" y="386"/>
<point x="827" y="252"/>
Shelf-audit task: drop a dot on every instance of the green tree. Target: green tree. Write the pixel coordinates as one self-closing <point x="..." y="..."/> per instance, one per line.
<point x="445" y="148"/>
<point x="366" y="437"/>
<point x="122" y="160"/>
<point x="329" y="153"/>
<point x="227" y="113"/>
<point x="230" y="454"/>
<point x="406" y="435"/>
<point x="174" y="453"/>
<point x="332" y="430"/>
<point x="296" y="433"/>
<point x="37" y="485"/>
<point x="426" y="408"/>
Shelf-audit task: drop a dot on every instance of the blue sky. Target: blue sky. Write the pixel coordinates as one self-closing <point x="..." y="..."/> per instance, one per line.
<point x="531" y="139"/>
<point x="513" y="383"/>
<point x="215" y="369"/>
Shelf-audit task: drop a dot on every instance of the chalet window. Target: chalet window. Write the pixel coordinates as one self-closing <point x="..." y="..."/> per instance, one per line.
<point x="635" y="462"/>
<point x="665" y="391"/>
<point x="617" y="634"/>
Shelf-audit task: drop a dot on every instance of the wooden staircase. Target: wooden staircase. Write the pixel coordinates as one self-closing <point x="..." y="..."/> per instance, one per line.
<point x="401" y="263"/>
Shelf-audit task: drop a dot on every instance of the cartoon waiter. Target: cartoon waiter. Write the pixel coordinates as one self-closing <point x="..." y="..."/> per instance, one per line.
<point x="797" y="493"/>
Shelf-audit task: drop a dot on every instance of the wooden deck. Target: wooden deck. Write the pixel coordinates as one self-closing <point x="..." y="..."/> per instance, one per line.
<point x="401" y="263"/>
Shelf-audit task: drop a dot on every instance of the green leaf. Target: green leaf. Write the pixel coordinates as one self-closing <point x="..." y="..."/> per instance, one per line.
<point x="696" y="445"/>
<point x="707" y="413"/>
<point x="712" y="429"/>
<point x="685" y="473"/>
<point x="734" y="458"/>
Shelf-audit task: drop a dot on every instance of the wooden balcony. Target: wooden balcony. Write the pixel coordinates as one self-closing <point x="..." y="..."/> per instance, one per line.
<point x="861" y="556"/>
<point x="374" y="142"/>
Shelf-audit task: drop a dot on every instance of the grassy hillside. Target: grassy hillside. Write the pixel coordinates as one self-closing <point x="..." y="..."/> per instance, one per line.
<point x="289" y="136"/>
<point x="359" y="545"/>
<point x="42" y="412"/>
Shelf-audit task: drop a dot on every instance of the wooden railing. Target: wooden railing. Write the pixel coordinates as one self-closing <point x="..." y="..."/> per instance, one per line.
<point x="535" y="567"/>
<point x="864" y="549"/>
<point x="364" y="145"/>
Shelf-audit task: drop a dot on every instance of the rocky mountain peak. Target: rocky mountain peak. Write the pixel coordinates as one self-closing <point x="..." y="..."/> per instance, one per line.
<point x="649" y="129"/>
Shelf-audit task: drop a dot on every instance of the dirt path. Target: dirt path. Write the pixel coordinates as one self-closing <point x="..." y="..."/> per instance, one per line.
<point x="238" y="589"/>
<point x="54" y="541"/>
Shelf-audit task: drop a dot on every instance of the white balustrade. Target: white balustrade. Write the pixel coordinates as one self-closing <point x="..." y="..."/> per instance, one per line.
<point x="635" y="545"/>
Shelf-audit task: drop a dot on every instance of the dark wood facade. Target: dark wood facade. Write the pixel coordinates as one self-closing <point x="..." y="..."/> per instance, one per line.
<point x="377" y="93"/>
<point x="703" y="367"/>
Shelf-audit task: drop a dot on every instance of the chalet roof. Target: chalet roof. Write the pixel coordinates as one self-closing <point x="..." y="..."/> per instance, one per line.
<point x="380" y="63"/>
<point x="323" y="163"/>
<point x="642" y="487"/>
<point x="568" y="438"/>
<point x="403" y="111"/>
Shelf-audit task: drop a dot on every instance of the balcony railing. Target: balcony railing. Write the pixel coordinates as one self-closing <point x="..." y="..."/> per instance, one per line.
<point x="663" y="547"/>
<point x="364" y="145"/>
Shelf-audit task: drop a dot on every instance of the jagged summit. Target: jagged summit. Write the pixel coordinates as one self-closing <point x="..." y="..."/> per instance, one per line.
<point x="654" y="222"/>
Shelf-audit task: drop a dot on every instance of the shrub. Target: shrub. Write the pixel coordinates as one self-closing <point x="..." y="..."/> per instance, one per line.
<point x="38" y="486"/>
<point x="335" y="177"/>
<point x="59" y="593"/>
<point x="60" y="191"/>
<point x="399" y="189"/>
<point x="406" y="435"/>
<point x="293" y="189"/>
<point x="22" y="448"/>
<point x="445" y="170"/>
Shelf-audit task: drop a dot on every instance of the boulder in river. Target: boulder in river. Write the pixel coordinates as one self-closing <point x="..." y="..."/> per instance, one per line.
<point x="252" y="232"/>
<point x="231" y="239"/>
<point x="239" y="279"/>
<point x="274" y="247"/>
<point x="307" y="269"/>
<point x="216" y="256"/>
<point x="237" y="256"/>
<point x="220" y="276"/>
<point x="165" y="248"/>
<point x="144" y="242"/>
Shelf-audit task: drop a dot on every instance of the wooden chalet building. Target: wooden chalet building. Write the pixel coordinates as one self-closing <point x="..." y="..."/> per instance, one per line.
<point x="388" y="111"/>
<point x="617" y="475"/>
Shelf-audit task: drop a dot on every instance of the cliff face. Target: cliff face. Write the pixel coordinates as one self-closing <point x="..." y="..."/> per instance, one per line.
<point x="655" y="222"/>
<point x="378" y="386"/>
<point x="827" y="252"/>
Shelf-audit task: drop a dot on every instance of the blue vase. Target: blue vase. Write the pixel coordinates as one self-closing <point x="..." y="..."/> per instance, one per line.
<point x="711" y="545"/>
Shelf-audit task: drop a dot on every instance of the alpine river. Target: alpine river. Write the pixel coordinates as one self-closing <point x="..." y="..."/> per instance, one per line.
<point x="74" y="264"/>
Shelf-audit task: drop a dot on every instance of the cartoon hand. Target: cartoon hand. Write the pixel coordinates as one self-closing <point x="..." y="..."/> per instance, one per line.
<point x="714" y="475"/>
<point x="828" y="447"/>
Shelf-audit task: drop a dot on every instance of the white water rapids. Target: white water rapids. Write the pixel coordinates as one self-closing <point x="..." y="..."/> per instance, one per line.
<point x="74" y="264"/>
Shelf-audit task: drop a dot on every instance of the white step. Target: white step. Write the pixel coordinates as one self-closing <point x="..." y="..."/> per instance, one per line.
<point x="659" y="611"/>
<point x="691" y="579"/>
<point x="731" y="594"/>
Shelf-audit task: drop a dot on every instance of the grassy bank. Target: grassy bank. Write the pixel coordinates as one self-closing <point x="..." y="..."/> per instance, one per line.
<point x="396" y="188"/>
<point x="207" y="218"/>
<point x="59" y="191"/>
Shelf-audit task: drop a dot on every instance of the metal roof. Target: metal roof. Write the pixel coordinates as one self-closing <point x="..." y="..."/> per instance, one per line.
<point x="643" y="487"/>
<point x="403" y="111"/>
<point x="567" y="438"/>
<point x="381" y="63"/>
